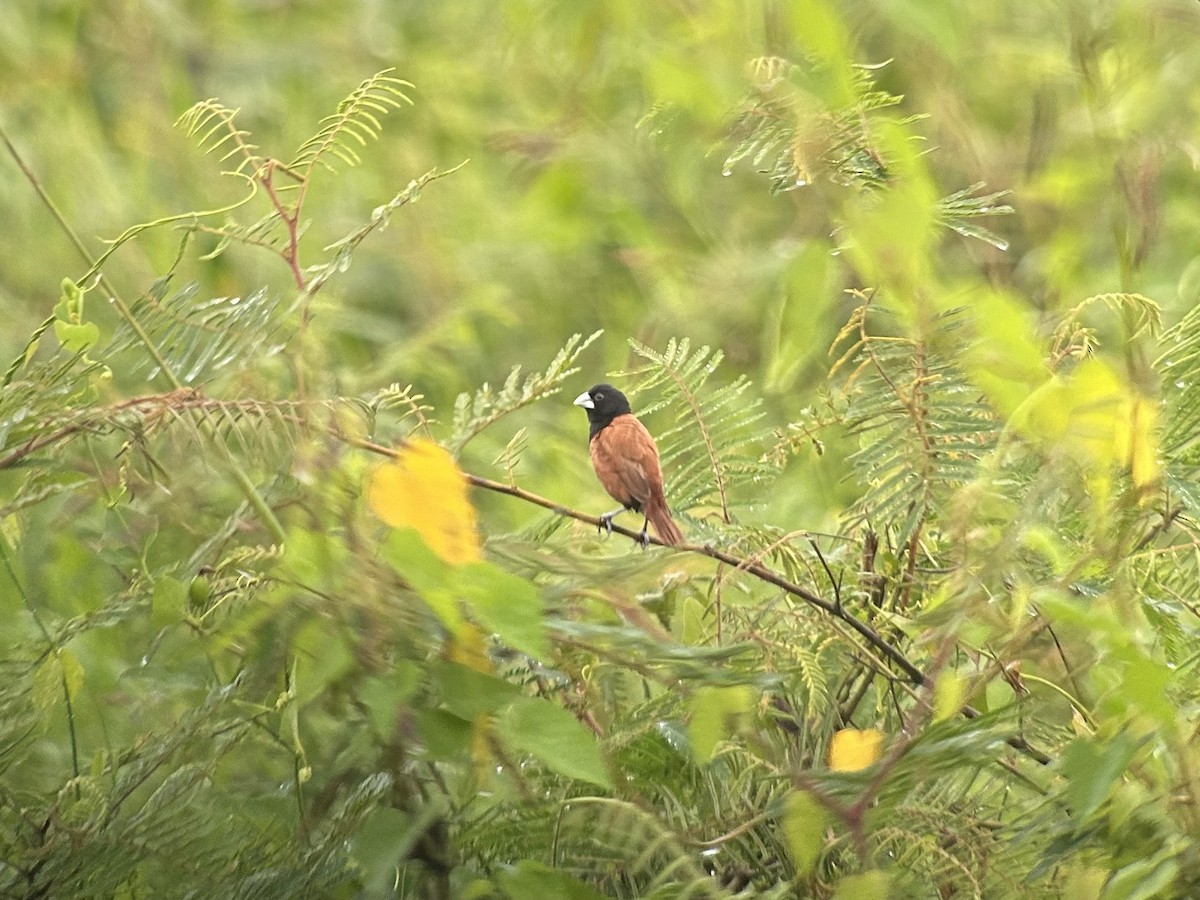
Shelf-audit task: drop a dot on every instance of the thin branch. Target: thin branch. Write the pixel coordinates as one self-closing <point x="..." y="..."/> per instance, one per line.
<point x="911" y="671"/>
<point x="756" y="569"/>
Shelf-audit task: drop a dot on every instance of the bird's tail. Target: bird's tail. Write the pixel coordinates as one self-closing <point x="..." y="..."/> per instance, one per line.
<point x="664" y="526"/>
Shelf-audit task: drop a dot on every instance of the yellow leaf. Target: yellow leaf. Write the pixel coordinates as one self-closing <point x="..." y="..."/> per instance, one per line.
<point x="1006" y="359"/>
<point x="1136" y="445"/>
<point x="803" y="826"/>
<point x="481" y="748"/>
<point x="949" y="695"/>
<point x="469" y="648"/>
<point x="1101" y="421"/>
<point x="852" y="749"/>
<point x="1096" y="404"/>
<point x="423" y="489"/>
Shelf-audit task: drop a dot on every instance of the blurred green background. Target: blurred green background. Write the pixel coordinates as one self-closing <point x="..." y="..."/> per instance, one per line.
<point x="595" y="194"/>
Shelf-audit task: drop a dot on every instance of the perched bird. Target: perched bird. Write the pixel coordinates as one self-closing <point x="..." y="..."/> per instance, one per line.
<point x="626" y="461"/>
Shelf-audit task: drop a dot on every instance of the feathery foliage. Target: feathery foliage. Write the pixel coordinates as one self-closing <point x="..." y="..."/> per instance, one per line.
<point x="921" y="428"/>
<point x="706" y="449"/>
<point x="965" y="666"/>
<point x="356" y="122"/>
<point x="787" y="125"/>
<point x="202" y="336"/>
<point x="212" y="125"/>
<point x="474" y="413"/>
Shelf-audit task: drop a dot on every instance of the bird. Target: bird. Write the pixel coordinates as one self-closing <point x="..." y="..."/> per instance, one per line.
<point x="625" y="458"/>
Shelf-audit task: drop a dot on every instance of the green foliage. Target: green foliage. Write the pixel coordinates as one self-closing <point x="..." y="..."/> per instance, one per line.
<point x="719" y="421"/>
<point x="798" y="120"/>
<point x="939" y="494"/>
<point x="472" y="414"/>
<point x="201" y="337"/>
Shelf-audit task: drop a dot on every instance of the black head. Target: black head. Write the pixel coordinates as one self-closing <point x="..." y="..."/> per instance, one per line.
<point x="603" y="404"/>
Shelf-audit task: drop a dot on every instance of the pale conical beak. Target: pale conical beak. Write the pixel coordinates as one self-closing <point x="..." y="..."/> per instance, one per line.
<point x="585" y="400"/>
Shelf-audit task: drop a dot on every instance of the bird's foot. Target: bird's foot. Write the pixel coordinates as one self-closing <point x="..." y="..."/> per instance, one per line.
<point x="643" y="538"/>
<point x="605" y="524"/>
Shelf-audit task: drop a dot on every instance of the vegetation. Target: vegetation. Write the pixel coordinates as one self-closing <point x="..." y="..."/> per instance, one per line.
<point x="299" y="559"/>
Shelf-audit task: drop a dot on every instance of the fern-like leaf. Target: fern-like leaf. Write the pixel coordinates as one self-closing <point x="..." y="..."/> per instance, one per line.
<point x="1178" y="363"/>
<point x="474" y="413"/>
<point x="606" y="832"/>
<point x="786" y="135"/>
<point x="356" y="122"/>
<point x="954" y="211"/>
<point x="920" y="426"/>
<point x="786" y="131"/>
<point x="198" y="338"/>
<point x="216" y="131"/>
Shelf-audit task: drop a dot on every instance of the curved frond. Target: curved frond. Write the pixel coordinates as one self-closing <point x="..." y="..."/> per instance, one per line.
<point x="1142" y="317"/>
<point x="358" y="121"/>
<point x="212" y="124"/>
<point x="474" y="413"/>
<point x="704" y="454"/>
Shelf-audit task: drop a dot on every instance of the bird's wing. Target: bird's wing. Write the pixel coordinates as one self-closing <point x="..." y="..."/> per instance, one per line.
<point x="626" y="462"/>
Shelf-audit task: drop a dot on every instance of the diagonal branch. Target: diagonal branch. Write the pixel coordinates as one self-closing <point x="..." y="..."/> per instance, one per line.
<point x="911" y="671"/>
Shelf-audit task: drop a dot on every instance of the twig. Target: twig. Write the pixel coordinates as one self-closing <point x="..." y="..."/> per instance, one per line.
<point x="869" y="634"/>
<point x="912" y="672"/>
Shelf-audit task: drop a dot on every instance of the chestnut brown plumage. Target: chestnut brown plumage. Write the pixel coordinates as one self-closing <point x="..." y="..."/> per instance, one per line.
<point x="626" y="461"/>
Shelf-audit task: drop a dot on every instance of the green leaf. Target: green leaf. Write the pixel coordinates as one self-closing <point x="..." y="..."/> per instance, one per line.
<point x="534" y="879"/>
<point x="949" y="695"/>
<point x="72" y="672"/>
<point x="321" y="658"/>
<point x="447" y="737"/>
<point x="1083" y="883"/>
<point x="60" y="671"/>
<point x="469" y="693"/>
<point x="553" y="735"/>
<point x="383" y="695"/>
<point x="803" y="824"/>
<point x="379" y="846"/>
<point x="715" y="712"/>
<point x="865" y="886"/>
<point x="168" y="602"/>
<point x="314" y="559"/>
<point x="506" y="604"/>
<point x="689" y="623"/>
<point x="998" y="694"/>
<point x="76" y="338"/>
<point x="1092" y="770"/>
<point x="1144" y="684"/>
<point x="1146" y="879"/>
<point x="72" y="332"/>
<point x="429" y="575"/>
<point x="790" y="343"/>
<point x="69" y="308"/>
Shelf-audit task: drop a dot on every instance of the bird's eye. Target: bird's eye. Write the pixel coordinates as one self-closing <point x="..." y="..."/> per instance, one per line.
<point x="599" y="396"/>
